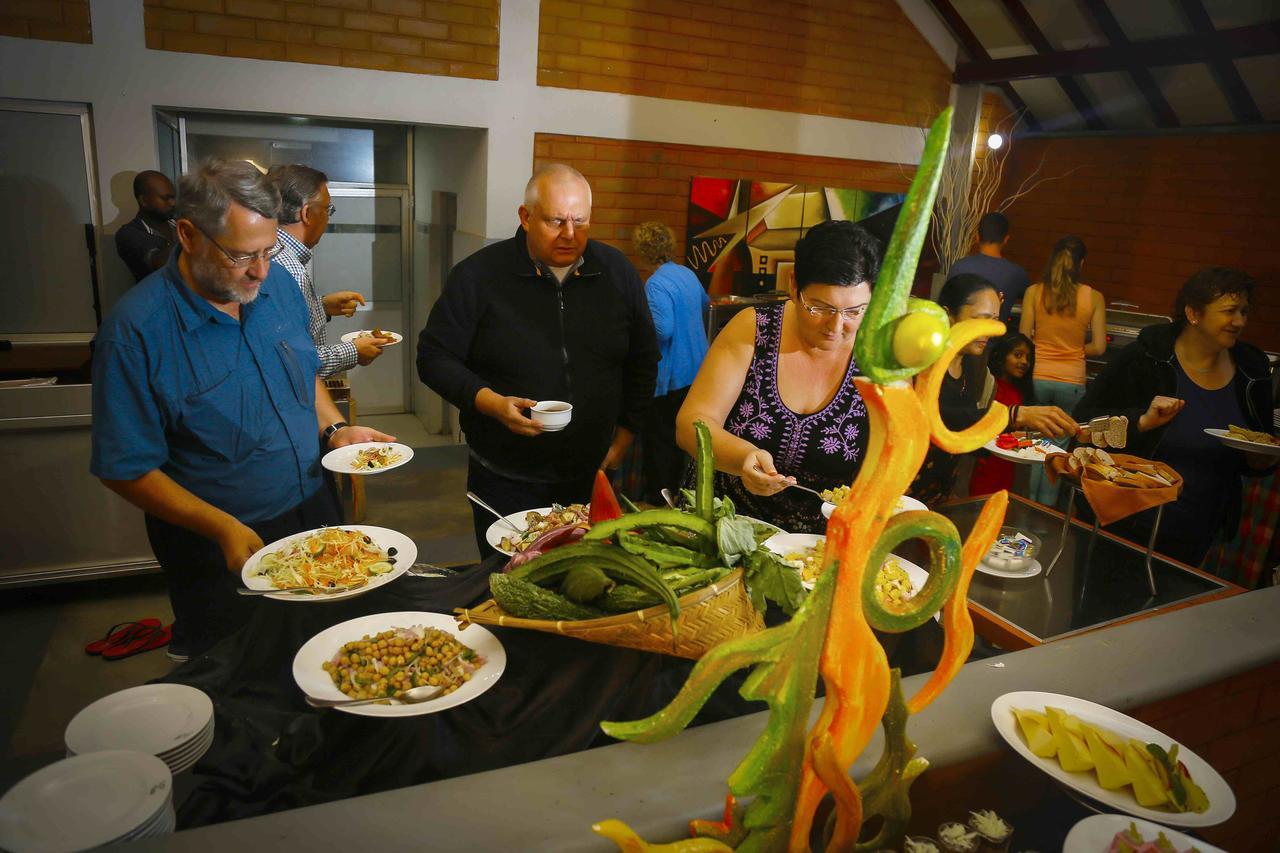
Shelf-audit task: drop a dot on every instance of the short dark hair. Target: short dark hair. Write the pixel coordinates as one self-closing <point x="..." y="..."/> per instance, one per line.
<point x="1208" y="285"/>
<point x="143" y="179"/>
<point x="206" y="193"/>
<point x="959" y="291"/>
<point x="297" y="185"/>
<point x="993" y="228"/>
<point x="837" y="252"/>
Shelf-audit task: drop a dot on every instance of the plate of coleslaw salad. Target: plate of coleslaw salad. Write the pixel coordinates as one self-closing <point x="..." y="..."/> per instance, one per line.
<point x="354" y="558"/>
<point x="367" y="457"/>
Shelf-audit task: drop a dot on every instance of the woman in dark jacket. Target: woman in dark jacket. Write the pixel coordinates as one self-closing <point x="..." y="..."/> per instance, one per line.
<point x="1173" y="383"/>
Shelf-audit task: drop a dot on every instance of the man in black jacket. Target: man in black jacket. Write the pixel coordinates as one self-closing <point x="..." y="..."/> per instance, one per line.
<point x="545" y="315"/>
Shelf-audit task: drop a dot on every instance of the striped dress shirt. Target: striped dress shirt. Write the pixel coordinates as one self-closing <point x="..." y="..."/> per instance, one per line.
<point x="294" y="257"/>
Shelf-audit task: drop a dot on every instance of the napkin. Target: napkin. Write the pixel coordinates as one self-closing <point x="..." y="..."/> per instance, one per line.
<point x="1110" y="501"/>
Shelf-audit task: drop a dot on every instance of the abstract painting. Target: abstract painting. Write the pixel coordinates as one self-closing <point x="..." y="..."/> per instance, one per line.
<point x="742" y="234"/>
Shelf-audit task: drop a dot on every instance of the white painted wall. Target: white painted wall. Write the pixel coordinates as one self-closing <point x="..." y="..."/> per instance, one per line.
<point x="452" y="160"/>
<point x="123" y="81"/>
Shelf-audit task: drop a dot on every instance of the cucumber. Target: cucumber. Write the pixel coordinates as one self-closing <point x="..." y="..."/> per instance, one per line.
<point x="627" y="503"/>
<point x="626" y="597"/>
<point x="665" y="556"/>
<point x="530" y="601"/>
<point x="585" y="583"/>
<point x="612" y="560"/>
<point x="648" y="518"/>
<point x="705" y="471"/>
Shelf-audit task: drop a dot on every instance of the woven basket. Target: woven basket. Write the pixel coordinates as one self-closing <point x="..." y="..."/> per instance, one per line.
<point x="708" y="616"/>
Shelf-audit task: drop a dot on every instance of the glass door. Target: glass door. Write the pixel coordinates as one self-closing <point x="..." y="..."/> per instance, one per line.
<point x="48" y="222"/>
<point x="366" y="248"/>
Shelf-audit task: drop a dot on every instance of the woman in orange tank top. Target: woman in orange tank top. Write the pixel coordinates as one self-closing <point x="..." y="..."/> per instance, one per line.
<point x="1056" y="314"/>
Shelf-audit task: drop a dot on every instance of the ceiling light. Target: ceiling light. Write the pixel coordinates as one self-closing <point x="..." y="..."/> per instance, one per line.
<point x="995" y="141"/>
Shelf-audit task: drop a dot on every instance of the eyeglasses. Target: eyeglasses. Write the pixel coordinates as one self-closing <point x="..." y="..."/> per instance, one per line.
<point x="826" y="311"/>
<point x="331" y="210"/>
<point x="241" y="261"/>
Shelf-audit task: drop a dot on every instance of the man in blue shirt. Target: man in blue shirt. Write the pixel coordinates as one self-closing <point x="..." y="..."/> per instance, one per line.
<point x="1010" y="280"/>
<point x="207" y="411"/>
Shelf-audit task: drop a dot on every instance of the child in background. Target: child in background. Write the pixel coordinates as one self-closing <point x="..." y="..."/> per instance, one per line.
<point x="1013" y="360"/>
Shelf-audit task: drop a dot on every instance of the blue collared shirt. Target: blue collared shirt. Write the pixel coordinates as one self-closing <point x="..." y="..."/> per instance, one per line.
<point x="678" y="303"/>
<point x="224" y="407"/>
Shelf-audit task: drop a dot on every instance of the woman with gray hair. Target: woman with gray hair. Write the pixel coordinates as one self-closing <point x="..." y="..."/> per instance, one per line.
<point x="678" y="303"/>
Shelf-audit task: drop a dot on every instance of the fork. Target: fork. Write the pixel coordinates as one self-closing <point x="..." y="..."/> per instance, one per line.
<point x="244" y="590"/>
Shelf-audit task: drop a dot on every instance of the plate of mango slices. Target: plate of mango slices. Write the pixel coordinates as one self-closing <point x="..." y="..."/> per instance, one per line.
<point x="1112" y="758"/>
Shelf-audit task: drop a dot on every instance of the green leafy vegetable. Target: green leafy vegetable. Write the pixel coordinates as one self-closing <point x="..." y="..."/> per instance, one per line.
<point x="735" y="538"/>
<point x="769" y="578"/>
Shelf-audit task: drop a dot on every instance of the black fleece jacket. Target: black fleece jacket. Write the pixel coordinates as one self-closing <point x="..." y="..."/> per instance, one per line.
<point x="506" y="324"/>
<point x="1144" y="369"/>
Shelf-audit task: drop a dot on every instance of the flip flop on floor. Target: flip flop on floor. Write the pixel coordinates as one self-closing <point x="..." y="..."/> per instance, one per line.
<point x="152" y="638"/>
<point x="123" y="632"/>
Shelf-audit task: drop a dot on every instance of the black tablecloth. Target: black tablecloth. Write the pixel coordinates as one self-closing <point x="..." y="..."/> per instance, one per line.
<point x="272" y="752"/>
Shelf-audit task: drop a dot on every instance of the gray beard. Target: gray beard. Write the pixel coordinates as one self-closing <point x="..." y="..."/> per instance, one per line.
<point x="207" y="276"/>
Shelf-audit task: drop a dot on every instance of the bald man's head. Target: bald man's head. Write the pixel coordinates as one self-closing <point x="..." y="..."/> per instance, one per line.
<point x="155" y="194"/>
<point x="556" y="214"/>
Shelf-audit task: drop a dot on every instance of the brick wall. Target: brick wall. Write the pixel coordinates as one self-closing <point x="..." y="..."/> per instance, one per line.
<point x="634" y="182"/>
<point x="1233" y="724"/>
<point x="858" y="59"/>
<point x="1152" y="211"/>
<point x="457" y="38"/>
<point x="52" y="20"/>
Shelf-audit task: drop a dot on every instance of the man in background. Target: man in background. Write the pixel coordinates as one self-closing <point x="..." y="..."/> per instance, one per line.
<point x="545" y="315"/>
<point x="305" y="208"/>
<point x="988" y="262"/>
<point x="143" y="242"/>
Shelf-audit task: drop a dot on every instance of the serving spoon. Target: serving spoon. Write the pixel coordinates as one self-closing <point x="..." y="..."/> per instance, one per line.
<point x="330" y="590"/>
<point x="478" y="501"/>
<point x="409" y="697"/>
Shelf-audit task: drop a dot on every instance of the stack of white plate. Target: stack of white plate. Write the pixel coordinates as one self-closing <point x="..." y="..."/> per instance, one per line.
<point x="88" y="801"/>
<point x="173" y="722"/>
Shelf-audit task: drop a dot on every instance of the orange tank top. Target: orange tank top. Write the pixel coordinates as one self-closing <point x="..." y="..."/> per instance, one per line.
<point x="1059" y="339"/>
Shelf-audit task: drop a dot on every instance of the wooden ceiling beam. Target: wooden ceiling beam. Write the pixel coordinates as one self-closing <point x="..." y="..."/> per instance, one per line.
<point x="977" y="52"/>
<point x="1160" y="110"/>
<point x="1075" y="92"/>
<point x="1243" y="106"/>
<point x="1237" y="43"/>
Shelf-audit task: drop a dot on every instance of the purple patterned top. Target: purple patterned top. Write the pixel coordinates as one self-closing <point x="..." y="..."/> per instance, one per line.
<point x="821" y="450"/>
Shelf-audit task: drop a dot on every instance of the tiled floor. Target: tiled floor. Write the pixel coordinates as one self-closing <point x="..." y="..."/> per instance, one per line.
<point x="49" y="678"/>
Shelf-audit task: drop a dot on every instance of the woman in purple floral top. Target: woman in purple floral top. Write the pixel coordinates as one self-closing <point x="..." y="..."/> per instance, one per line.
<point x="776" y="387"/>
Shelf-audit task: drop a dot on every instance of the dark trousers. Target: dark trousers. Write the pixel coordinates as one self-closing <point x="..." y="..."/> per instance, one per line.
<point x="508" y="496"/>
<point x="663" y="461"/>
<point x="202" y="591"/>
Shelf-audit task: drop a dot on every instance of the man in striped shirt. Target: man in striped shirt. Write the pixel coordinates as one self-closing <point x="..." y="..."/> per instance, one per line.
<point x="304" y="214"/>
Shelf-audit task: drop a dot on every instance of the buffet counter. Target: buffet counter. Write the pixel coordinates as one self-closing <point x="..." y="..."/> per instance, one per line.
<point x="71" y="526"/>
<point x="551" y="804"/>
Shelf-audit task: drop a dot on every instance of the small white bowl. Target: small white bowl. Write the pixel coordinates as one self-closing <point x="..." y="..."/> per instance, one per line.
<point x="554" y="415"/>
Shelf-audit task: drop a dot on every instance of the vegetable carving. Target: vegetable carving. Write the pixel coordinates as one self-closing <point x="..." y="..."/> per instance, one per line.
<point x="790" y="768"/>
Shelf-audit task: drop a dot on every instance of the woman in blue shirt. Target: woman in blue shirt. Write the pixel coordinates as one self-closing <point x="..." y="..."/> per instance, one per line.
<point x="678" y="303"/>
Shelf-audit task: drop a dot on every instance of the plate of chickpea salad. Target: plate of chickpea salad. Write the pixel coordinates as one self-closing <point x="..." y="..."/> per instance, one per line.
<point x="388" y="653"/>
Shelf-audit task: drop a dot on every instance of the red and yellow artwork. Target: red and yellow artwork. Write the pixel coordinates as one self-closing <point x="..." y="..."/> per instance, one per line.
<point x="742" y="233"/>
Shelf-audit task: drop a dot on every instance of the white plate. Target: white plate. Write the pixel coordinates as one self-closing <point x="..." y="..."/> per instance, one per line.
<point x="1029" y="572"/>
<point x="497" y="530"/>
<point x="1222" y="802"/>
<point x="905" y="504"/>
<point x="314" y="681"/>
<point x="84" y="802"/>
<point x="1094" y="834"/>
<point x="395" y="336"/>
<point x="1016" y="455"/>
<point x="339" y="461"/>
<point x="406" y="555"/>
<point x="1240" y="444"/>
<point x="154" y="718"/>
<point x="789" y="543"/>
